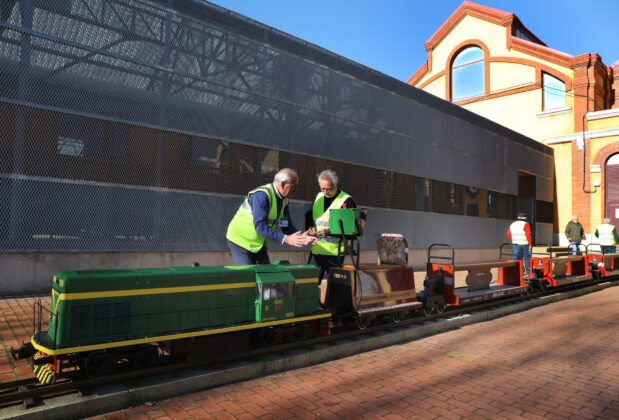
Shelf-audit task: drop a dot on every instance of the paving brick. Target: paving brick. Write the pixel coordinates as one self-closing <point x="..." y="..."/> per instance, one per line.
<point x="512" y="367"/>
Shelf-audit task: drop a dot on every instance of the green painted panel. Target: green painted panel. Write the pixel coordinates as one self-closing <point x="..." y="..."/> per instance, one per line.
<point x="94" y="320"/>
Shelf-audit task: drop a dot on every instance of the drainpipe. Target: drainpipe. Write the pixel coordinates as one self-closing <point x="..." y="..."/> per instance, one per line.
<point x="584" y="143"/>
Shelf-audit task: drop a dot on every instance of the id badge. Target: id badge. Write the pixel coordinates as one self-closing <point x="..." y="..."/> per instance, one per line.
<point x="282" y="222"/>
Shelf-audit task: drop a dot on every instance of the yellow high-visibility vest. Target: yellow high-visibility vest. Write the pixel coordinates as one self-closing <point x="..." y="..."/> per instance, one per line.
<point x="241" y="230"/>
<point x="328" y="245"/>
<point x="605" y="231"/>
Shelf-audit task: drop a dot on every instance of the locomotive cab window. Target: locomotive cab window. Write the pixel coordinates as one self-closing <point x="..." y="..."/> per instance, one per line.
<point x="277" y="291"/>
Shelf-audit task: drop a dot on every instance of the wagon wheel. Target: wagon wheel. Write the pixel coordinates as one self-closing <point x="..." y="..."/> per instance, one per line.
<point x="362" y="322"/>
<point x="396" y="317"/>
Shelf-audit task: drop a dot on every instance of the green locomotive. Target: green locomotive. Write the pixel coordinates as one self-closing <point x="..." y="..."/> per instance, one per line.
<point x="101" y="319"/>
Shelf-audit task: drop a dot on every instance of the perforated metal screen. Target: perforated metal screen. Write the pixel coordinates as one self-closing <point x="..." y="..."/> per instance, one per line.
<point x="137" y="125"/>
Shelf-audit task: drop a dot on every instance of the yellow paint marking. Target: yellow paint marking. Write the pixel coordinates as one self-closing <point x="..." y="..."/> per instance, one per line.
<point x="52" y="352"/>
<point x="305" y="281"/>
<point x="153" y="291"/>
<point x="161" y="290"/>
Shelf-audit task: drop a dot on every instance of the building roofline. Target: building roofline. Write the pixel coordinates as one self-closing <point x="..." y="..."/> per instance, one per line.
<point x="249" y="28"/>
<point x="467" y="8"/>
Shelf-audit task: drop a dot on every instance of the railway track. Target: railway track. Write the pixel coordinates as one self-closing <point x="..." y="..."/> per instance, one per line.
<point x="30" y="392"/>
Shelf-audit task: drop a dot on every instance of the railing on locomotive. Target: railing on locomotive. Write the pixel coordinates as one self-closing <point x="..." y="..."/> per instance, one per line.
<point x="37" y="320"/>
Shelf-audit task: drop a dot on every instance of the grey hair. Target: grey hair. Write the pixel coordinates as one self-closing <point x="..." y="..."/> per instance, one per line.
<point x="328" y="174"/>
<point x="285" y="176"/>
<point x="574" y="217"/>
<point x="606" y="220"/>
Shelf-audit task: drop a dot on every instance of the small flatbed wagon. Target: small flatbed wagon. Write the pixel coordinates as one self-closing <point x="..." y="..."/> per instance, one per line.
<point x="556" y="271"/>
<point x="481" y="284"/>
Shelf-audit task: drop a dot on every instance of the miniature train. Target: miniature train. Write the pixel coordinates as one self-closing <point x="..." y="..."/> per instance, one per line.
<point x="103" y="321"/>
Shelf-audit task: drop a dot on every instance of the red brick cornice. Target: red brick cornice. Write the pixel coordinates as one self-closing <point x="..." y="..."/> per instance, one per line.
<point x="431" y="79"/>
<point x="538" y="66"/>
<point x="605" y="152"/>
<point x="488" y="14"/>
<point x="541" y="51"/>
<point x="418" y="75"/>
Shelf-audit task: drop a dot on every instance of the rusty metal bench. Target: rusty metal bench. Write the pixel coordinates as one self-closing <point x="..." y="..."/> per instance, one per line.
<point x="479" y="276"/>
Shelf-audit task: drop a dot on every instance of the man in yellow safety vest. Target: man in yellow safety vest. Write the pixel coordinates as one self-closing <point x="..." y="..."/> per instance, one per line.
<point x="324" y="252"/>
<point x="254" y="224"/>
<point x="608" y="236"/>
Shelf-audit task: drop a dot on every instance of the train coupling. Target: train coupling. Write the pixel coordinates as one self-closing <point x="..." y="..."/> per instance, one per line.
<point x="24" y="352"/>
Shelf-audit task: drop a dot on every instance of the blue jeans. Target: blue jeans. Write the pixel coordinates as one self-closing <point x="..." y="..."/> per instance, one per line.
<point x="608" y="249"/>
<point x="574" y="246"/>
<point x="241" y="256"/>
<point x="522" y="252"/>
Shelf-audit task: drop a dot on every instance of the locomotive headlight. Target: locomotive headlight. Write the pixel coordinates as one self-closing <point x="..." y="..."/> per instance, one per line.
<point x="267" y="294"/>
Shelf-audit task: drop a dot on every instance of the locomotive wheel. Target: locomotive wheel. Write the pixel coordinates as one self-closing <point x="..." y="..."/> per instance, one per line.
<point x="362" y="322"/>
<point x="146" y="356"/>
<point x="427" y="311"/>
<point x="396" y="317"/>
<point x="265" y="336"/>
<point x="97" y="364"/>
<point x="440" y="307"/>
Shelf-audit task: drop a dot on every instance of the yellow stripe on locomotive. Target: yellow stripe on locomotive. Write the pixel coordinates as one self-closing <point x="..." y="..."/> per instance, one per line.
<point x="91" y="307"/>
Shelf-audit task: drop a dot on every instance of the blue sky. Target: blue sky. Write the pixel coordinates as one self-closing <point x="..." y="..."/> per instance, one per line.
<point x="388" y="35"/>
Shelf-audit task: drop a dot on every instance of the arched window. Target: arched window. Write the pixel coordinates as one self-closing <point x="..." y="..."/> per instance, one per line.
<point x="467" y="73"/>
<point x="612" y="189"/>
<point x="554" y="92"/>
<point x="613" y="160"/>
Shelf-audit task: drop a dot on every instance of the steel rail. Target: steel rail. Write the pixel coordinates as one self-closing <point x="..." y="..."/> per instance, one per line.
<point x="338" y="333"/>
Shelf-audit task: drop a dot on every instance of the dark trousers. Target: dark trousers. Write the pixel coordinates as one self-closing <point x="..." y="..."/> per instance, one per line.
<point x="241" y="256"/>
<point x="521" y="252"/>
<point x="608" y="249"/>
<point x="324" y="263"/>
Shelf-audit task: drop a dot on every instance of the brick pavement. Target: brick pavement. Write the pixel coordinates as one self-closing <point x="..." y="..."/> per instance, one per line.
<point x="15" y="327"/>
<point x="559" y="361"/>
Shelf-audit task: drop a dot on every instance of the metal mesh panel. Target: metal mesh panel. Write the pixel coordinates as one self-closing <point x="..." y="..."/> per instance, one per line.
<point x="126" y="125"/>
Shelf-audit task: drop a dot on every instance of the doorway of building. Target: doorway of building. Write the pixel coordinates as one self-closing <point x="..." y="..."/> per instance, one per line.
<point x="612" y="189"/>
<point x="526" y="199"/>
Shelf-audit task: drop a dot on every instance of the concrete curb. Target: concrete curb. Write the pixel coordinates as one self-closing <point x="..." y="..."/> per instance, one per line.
<point x="116" y="397"/>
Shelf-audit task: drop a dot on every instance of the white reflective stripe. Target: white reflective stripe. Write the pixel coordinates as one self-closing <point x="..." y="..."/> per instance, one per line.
<point x="329" y="239"/>
<point x="247" y="207"/>
<point x="323" y="220"/>
<point x="519" y="237"/>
